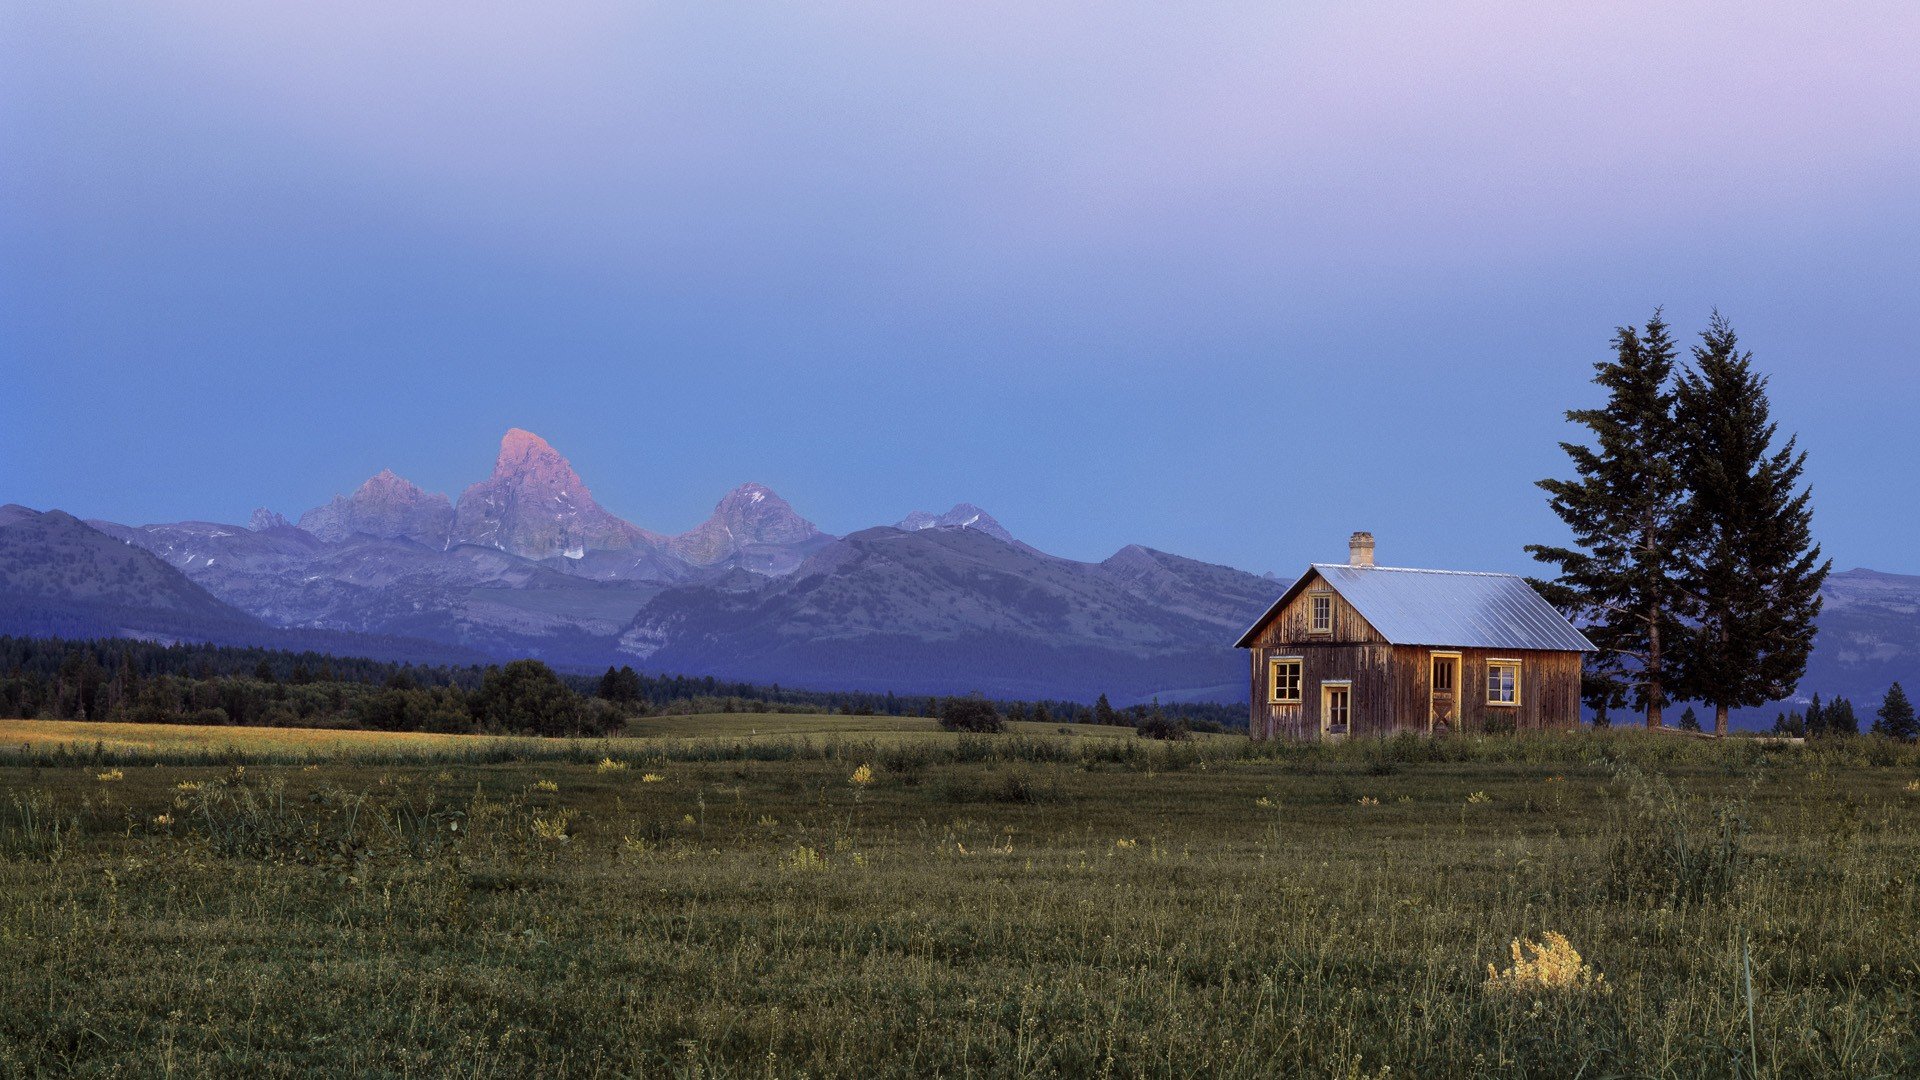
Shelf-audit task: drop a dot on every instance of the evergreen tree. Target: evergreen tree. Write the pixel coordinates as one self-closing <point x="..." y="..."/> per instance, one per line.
<point x="1751" y="567"/>
<point x="263" y="670"/>
<point x="1103" y="712"/>
<point x="1895" y="719"/>
<point x="1689" y="720"/>
<point x="1816" y="721"/>
<point x="1622" y="507"/>
<point x="1040" y="715"/>
<point x="1840" y="719"/>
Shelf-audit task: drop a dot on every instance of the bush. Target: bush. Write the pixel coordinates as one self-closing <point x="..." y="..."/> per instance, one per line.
<point x="1157" y="726"/>
<point x="974" y="714"/>
<point x="526" y="697"/>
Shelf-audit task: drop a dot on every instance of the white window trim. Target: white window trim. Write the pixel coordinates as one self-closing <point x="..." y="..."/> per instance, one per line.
<point x="1518" y="668"/>
<point x="1299" y="682"/>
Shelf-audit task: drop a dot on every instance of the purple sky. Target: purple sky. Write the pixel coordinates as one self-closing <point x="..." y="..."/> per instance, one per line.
<point x="1227" y="280"/>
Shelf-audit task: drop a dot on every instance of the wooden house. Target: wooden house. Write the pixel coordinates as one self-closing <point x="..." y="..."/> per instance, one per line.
<point x="1358" y="649"/>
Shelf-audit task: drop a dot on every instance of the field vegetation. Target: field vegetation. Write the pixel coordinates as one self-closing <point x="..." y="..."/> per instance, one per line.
<point x="906" y="902"/>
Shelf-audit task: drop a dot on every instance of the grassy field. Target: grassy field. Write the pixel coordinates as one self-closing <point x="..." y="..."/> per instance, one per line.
<point x="733" y="900"/>
<point x="296" y="745"/>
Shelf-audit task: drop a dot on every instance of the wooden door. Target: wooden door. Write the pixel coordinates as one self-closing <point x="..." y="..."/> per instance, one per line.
<point x="1336" y="709"/>
<point x="1443" y="712"/>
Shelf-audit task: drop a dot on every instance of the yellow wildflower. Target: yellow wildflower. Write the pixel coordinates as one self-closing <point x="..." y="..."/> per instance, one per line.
<point x="1368" y="800"/>
<point x="545" y="785"/>
<point x="1479" y="798"/>
<point x="607" y="764"/>
<point x="162" y="821"/>
<point x="1126" y="845"/>
<point x="1914" y="786"/>
<point x="803" y="859"/>
<point x="189" y="785"/>
<point x="862" y="776"/>
<point x="1263" y="803"/>
<point x="552" y="826"/>
<point x="1549" y="964"/>
<point x="110" y="776"/>
<point x="652" y="778"/>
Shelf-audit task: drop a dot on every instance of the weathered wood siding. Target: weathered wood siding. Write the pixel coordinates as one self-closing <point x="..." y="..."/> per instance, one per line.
<point x="1290" y="625"/>
<point x="1368" y="667"/>
<point x="1549" y="688"/>
<point x="1392" y="684"/>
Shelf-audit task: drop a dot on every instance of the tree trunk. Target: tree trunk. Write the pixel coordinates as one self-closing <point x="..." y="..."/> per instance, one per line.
<point x="1656" y="693"/>
<point x="1720" y="721"/>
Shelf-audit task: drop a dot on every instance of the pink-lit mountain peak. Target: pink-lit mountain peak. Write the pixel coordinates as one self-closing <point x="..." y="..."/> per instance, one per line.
<point x="535" y="505"/>
<point x="524" y="454"/>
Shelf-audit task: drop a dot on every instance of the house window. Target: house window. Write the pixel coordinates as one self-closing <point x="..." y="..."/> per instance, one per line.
<point x="1503" y="682"/>
<point x="1284" y="680"/>
<point x="1443" y="674"/>
<point x="1322" y="613"/>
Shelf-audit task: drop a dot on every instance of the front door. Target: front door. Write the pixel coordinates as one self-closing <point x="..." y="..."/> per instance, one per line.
<point x="1336" y="709"/>
<point x="1445" y="689"/>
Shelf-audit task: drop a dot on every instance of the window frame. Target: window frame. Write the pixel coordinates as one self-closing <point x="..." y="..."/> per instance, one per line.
<point x="1495" y="664"/>
<point x="1299" y="665"/>
<point x="1313" y="612"/>
<point x="1329" y="688"/>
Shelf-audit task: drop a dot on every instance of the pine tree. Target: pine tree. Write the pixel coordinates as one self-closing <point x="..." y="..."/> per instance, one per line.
<point x="1689" y="720"/>
<point x="1840" y="718"/>
<point x="1816" y="721"/>
<point x="1895" y="719"/>
<point x="1752" y="569"/>
<point x="1103" y="712"/>
<point x="1622" y="507"/>
<point x="1040" y="715"/>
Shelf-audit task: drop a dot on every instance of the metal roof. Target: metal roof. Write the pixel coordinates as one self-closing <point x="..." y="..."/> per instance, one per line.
<point x="1444" y="608"/>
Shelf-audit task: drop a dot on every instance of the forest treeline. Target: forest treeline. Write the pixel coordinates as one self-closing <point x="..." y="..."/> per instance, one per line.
<point x="148" y="682"/>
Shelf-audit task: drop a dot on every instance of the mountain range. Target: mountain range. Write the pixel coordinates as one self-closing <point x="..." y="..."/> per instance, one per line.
<point x="526" y="563"/>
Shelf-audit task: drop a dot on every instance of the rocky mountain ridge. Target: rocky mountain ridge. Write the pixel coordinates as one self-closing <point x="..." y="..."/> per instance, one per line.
<point x="525" y="562"/>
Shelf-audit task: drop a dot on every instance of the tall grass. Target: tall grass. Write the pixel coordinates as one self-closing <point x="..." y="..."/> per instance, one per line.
<point x="1014" y="906"/>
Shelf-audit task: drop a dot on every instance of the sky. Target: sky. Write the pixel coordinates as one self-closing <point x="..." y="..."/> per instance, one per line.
<point x="1228" y="280"/>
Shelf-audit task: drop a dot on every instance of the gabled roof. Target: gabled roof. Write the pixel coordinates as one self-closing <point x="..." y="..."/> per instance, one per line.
<point x="1442" y="608"/>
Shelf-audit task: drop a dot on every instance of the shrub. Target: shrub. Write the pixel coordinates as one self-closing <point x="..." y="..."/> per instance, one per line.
<point x="973" y="714"/>
<point x="1158" y="726"/>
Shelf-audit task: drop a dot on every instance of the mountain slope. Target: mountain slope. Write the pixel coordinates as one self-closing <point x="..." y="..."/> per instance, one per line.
<point x="962" y="516"/>
<point x="1869" y="636"/>
<point x="753" y="529"/>
<point x="386" y="507"/>
<point x="59" y="576"/>
<point x="949" y="610"/>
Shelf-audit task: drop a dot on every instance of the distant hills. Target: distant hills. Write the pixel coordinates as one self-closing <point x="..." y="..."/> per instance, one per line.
<point x="526" y="563"/>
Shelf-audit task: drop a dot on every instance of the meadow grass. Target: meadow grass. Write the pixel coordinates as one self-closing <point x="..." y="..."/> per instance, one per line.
<point x="732" y="903"/>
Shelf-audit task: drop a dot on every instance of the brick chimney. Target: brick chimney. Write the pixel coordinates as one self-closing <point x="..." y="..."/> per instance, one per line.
<point x="1360" y="549"/>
